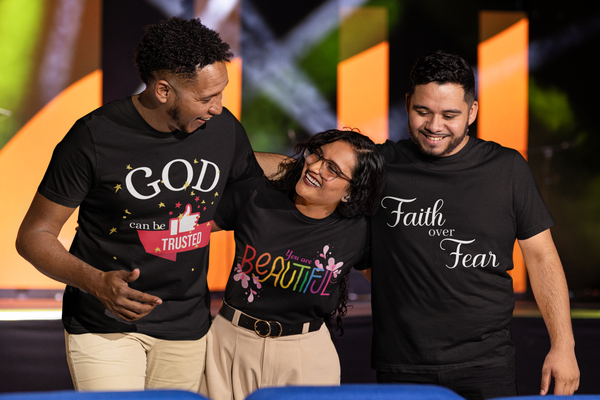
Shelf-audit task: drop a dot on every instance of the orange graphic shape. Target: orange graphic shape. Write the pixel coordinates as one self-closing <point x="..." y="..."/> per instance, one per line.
<point x="363" y="91"/>
<point x="23" y="162"/>
<point x="503" y="101"/>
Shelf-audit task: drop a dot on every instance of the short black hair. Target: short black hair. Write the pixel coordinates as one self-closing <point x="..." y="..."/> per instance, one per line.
<point x="442" y="68"/>
<point x="368" y="175"/>
<point x="180" y="48"/>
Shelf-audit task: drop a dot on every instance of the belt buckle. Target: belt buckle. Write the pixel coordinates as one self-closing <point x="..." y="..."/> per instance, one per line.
<point x="280" y="329"/>
<point x="268" y="323"/>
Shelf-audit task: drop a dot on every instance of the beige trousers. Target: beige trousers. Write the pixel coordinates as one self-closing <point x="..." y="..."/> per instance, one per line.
<point x="133" y="361"/>
<point x="238" y="361"/>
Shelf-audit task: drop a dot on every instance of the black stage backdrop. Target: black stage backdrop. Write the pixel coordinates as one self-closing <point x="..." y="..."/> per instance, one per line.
<point x="32" y="354"/>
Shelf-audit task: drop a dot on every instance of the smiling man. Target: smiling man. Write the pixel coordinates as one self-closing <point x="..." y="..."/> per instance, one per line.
<point x="442" y="245"/>
<point x="439" y="118"/>
<point x="146" y="172"/>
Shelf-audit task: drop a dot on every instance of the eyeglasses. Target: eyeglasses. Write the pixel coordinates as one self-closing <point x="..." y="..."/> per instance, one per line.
<point x="331" y="170"/>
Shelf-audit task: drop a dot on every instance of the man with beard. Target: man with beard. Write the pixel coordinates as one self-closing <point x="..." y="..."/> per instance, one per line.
<point x="442" y="245"/>
<point x="146" y="173"/>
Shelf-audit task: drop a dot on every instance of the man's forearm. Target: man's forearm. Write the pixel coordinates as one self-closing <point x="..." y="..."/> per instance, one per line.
<point x="269" y="162"/>
<point x="549" y="287"/>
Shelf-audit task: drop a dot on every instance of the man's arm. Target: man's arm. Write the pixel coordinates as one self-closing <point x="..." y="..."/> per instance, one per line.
<point x="37" y="242"/>
<point x="269" y="162"/>
<point x="366" y="273"/>
<point x="550" y="289"/>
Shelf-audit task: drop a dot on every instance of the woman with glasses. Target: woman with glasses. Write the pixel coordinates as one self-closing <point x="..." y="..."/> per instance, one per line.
<point x="297" y="237"/>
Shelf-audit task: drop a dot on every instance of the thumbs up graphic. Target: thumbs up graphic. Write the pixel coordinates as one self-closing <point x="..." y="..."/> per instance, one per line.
<point x="186" y="223"/>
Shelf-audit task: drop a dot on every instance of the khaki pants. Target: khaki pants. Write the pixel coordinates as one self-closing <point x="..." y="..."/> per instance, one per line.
<point x="133" y="361"/>
<point x="238" y="361"/>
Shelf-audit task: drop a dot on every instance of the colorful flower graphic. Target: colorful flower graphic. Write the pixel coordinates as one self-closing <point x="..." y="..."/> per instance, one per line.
<point x="241" y="275"/>
<point x="333" y="267"/>
<point x="247" y="280"/>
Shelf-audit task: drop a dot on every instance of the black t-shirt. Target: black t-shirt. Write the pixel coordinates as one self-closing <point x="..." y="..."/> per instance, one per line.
<point x="442" y="243"/>
<point x="147" y="199"/>
<point x="287" y="267"/>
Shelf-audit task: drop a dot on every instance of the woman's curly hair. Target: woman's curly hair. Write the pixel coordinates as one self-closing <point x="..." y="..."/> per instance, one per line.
<point x="178" y="47"/>
<point x="367" y="177"/>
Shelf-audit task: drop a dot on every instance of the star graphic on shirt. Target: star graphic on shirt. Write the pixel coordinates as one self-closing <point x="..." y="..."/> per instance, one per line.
<point x="128" y="166"/>
<point x="197" y="198"/>
<point x="113" y="230"/>
<point x="170" y="212"/>
<point x="212" y="202"/>
<point x="127" y="212"/>
<point x="157" y="250"/>
<point x="177" y="205"/>
<point x="185" y="185"/>
<point x="204" y="209"/>
<point x="118" y="187"/>
<point x="203" y="202"/>
<point x="161" y="205"/>
<point x="195" y="161"/>
<point x="216" y="194"/>
<point x="192" y="193"/>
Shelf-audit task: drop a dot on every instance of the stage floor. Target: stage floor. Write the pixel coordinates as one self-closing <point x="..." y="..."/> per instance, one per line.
<point x="32" y="348"/>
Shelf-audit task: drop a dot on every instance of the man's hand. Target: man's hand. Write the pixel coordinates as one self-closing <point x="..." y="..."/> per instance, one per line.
<point x="562" y="366"/>
<point x="37" y="242"/>
<point x="115" y="294"/>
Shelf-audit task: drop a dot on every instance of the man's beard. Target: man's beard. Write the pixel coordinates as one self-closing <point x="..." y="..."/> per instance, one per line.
<point x="454" y="142"/>
<point x="174" y="111"/>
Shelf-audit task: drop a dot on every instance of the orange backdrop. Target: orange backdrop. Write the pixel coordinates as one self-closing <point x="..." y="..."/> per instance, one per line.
<point x="503" y="93"/>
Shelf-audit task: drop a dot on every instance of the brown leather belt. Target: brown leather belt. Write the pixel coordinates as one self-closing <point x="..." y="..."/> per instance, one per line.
<point x="263" y="328"/>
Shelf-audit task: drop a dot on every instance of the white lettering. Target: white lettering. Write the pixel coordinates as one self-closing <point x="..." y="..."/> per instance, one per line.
<point x="425" y="217"/>
<point x="398" y="211"/>
<point x="205" y="164"/>
<point x="468" y="260"/>
<point x="134" y="192"/>
<point x="165" y="175"/>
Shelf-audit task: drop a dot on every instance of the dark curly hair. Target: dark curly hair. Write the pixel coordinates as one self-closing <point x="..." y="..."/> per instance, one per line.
<point x="441" y="67"/>
<point x="367" y="177"/>
<point x="180" y="48"/>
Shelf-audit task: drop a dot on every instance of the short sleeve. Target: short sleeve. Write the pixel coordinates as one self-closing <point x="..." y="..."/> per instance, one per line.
<point x="245" y="164"/>
<point x="531" y="214"/>
<point x="70" y="173"/>
<point x="364" y="261"/>
<point x="233" y="201"/>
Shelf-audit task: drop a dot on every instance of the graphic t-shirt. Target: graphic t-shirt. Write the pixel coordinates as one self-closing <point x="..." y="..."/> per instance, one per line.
<point x="147" y="200"/>
<point x="442" y="246"/>
<point x="287" y="266"/>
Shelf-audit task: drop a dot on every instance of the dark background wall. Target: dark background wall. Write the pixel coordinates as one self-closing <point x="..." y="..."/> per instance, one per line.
<point x="563" y="135"/>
